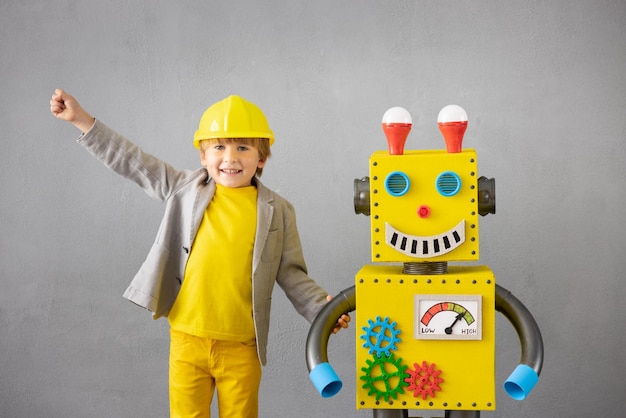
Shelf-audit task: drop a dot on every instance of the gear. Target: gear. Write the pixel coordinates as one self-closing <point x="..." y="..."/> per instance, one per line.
<point x="384" y="377"/>
<point x="424" y="381"/>
<point x="380" y="336"/>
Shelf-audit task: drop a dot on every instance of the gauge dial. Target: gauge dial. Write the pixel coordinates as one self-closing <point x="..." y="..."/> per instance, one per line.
<point x="448" y="317"/>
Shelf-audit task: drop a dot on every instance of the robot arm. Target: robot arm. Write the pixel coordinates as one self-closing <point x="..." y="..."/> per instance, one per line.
<point x="525" y="376"/>
<point x="321" y="373"/>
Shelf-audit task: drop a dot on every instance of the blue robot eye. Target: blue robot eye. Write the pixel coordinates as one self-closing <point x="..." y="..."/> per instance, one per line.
<point x="448" y="183"/>
<point x="397" y="183"/>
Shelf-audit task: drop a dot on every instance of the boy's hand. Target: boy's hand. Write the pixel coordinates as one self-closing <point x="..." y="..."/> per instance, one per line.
<point x="342" y="321"/>
<point x="65" y="107"/>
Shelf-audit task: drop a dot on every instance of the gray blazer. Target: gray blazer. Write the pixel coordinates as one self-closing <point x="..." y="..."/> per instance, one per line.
<point x="277" y="254"/>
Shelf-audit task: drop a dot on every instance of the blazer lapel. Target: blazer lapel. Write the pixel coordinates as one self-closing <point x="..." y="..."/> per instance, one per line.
<point x="265" y="212"/>
<point x="203" y="196"/>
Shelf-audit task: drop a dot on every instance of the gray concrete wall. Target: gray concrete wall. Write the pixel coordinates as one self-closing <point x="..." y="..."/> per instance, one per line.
<point x="543" y="82"/>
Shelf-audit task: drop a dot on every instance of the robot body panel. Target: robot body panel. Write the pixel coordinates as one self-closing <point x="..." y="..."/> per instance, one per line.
<point x="399" y="365"/>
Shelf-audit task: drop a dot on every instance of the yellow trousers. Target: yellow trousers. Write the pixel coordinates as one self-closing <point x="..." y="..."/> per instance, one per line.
<point x="199" y="366"/>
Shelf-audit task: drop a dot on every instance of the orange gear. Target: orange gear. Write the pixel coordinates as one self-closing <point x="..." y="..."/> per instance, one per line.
<point x="424" y="381"/>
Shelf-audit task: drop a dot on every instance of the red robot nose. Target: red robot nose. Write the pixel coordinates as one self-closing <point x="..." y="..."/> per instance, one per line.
<point x="423" y="211"/>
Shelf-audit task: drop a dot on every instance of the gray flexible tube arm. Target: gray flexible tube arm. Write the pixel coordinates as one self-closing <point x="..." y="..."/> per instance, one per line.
<point x="525" y="326"/>
<point x="322" y="327"/>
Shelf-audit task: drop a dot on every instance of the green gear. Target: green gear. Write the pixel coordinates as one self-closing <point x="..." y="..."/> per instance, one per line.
<point x="384" y="376"/>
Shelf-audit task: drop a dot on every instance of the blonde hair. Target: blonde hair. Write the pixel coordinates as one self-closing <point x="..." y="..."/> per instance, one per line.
<point x="261" y="144"/>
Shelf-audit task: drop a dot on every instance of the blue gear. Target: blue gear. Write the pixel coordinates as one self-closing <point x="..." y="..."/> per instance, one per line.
<point x="380" y="336"/>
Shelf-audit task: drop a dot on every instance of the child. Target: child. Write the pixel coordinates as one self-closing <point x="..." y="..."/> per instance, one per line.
<point x="224" y="240"/>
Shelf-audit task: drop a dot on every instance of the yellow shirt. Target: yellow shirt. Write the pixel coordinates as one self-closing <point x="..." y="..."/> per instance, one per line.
<point x="215" y="300"/>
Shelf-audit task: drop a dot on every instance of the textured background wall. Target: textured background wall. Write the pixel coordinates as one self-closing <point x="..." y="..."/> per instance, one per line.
<point x="543" y="83"/>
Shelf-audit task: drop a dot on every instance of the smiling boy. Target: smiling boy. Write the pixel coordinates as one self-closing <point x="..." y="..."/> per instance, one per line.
<point x="223" y="243"/>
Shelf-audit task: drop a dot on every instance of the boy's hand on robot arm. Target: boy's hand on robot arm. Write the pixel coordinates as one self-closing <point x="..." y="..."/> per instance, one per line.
<point x="65" y="107"/>
<point x="342" y="321"/>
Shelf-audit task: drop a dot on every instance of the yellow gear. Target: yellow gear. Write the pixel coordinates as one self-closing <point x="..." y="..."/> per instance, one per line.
<point x="233" y="117"/>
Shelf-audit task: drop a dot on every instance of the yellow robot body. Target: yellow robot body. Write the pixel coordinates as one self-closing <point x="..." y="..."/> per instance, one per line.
<point x="405" y="359"/>
<point x="425" y="331"/>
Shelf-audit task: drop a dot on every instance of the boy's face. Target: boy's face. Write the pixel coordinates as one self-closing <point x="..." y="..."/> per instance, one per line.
<point x="230" y="164"/>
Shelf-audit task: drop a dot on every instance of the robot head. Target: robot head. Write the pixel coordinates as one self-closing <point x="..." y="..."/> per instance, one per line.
<point x="424" y="204"/>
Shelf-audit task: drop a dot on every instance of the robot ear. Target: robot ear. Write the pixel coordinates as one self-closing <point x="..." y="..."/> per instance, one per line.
<point x="486" y="196"/>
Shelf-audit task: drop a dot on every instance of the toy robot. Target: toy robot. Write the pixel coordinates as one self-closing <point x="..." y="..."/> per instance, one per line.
<point x="425" y="331"/>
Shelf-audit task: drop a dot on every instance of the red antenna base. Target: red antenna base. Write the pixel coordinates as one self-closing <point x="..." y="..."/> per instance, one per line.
<point x="453" y="135"/>
<point x="396" y="134"/>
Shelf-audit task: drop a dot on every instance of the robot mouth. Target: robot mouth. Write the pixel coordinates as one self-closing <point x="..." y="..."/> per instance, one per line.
<point x="425" y="247"/>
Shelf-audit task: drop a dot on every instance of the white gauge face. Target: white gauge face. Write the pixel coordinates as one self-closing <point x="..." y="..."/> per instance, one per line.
<point x="448" y="317"/>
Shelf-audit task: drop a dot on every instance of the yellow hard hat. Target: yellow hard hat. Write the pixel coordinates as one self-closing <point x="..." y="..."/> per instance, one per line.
<point x="233" y="117"/>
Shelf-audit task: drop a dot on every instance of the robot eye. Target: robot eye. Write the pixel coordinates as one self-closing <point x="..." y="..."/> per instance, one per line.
<point x="397" y="183"/>
<point x="448" y="183"/>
